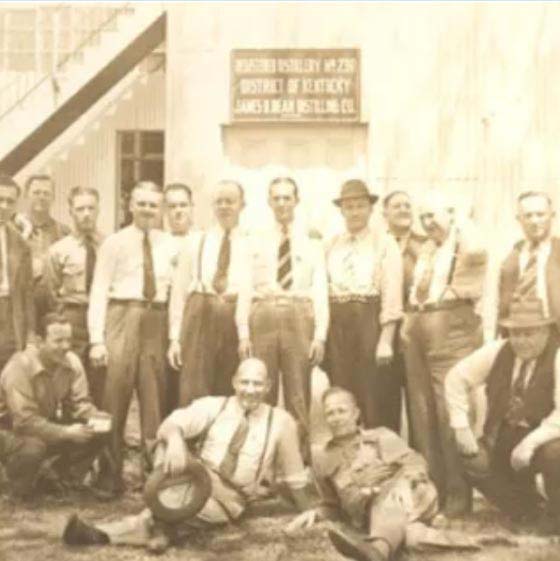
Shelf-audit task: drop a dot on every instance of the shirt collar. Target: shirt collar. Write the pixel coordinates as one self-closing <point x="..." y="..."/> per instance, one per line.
<point x="258" y="412"/>
<point x="361" y="235"/>
<point x="95" y="236"/>
<point x="540" y="245"/>
<point x="37" y="367"/>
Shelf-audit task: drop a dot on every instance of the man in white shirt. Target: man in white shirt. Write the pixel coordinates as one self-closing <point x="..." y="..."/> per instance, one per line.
<point x="290" y="311"/>
<point x="442" y="327"/>
<point x="365" y="293"/>
<point x="240" y="439"/>
<point x="127" y="318"/>
<point x="533" y="266"/>
<point x="521" y="375"/>
<point x="206" y="317"/>
<point x="178" y="204"/>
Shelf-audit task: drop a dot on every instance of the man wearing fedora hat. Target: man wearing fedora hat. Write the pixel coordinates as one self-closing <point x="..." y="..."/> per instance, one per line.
<point x="521" y="375"/>
<point x="365" y="296"/>
<point x="442" y="326"/>
<point x="239" y="440"/>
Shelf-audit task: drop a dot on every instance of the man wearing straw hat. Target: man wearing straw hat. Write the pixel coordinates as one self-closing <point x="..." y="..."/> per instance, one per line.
<point x="365" y="296"/>
<point x="521" y="375"/>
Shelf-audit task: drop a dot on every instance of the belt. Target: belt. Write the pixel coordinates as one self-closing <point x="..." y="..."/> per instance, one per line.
<point x="79" y="305"/>
<point x="351" y="298"/>
<point x="139" y="303"/>
<point x="224" y="297"/>
<point x="443" y="305"/>
<point x="281" y="299"/>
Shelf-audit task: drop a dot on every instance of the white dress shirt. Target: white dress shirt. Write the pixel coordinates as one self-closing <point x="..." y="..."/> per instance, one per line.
<point x="377" y="270"/>
<point x="119" y="273"/>
<point x="309" y="276"/>
<point x="472" y="372"/>
<point x="188" y="278"/>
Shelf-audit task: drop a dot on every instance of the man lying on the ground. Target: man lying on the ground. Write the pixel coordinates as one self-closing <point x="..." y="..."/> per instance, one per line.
<point x="51" y="431"/>
<point x="239" y="440"/>
<point x="375" y="482"/>
<point x="521" y="375"/>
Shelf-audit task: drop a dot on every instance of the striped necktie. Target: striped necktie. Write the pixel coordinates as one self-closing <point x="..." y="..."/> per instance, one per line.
<point x="527" y="283"/>
<point x="284" y="272"/>
<point x="348" y="267"/>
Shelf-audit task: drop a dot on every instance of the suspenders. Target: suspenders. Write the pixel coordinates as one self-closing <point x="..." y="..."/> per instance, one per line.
<point x="451" y="272"/>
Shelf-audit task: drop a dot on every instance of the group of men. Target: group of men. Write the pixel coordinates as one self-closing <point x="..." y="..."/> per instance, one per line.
<point x="206" y="325"/>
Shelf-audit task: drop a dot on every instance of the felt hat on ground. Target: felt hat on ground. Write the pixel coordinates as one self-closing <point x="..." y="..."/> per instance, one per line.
<point x="173" y="499"/>
<point x="524" y="313"/>
<point x="354" y="189"/>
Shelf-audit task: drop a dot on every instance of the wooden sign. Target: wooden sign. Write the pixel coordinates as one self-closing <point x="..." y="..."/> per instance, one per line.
<point x="295" y="85"/>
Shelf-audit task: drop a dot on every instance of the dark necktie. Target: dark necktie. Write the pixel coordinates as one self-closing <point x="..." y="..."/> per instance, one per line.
<point x="149" y="286"/>
<point x="284" y="272"/>
<point x="90" y="260"/>
<point x="515" y="414"/>
<point x="220" y="277"/>
<point x="229" y="464"/>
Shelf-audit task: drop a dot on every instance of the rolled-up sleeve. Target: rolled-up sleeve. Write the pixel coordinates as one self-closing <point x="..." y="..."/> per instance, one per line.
<point x="191" y="420"/>
<point x="391" y="278"/>
<point x="466" y="375"/>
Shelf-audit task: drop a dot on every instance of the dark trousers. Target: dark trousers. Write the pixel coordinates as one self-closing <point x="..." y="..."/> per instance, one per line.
<point x="209" y="347"/>
<point x="136" y="344"/>
<point x="77" y="315"/>
<point x="23" y="456"/>
<point x="281" y="333"/>
<point x="514" y="492"/>
<point x="8" y="344"/>
<point x="350" y="358"/>
<point x="437" y="340"/>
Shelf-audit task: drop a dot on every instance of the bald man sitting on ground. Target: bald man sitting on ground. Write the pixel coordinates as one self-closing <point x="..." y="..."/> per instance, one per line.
<point x="239" y="439"/>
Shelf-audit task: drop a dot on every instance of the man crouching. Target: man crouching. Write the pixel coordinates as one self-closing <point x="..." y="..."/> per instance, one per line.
<point x="238" y="439"/>
<point x="373" y="480"/>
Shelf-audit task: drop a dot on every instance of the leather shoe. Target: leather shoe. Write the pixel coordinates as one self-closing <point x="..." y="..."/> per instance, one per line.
<point x="77" y="532"/>
<point x="354" y="548"/>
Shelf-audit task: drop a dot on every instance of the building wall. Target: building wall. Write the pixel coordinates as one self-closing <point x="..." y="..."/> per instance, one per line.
<point x="91" y="159"/>
<point x="457" y="96"/>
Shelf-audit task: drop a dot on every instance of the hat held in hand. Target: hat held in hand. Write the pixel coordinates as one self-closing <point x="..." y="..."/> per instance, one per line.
<point x="176" y="498"/>
<point x="526" y="313"/>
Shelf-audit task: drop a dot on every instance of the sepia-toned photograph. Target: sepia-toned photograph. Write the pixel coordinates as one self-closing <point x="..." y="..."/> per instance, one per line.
<point x="279" y="280"/>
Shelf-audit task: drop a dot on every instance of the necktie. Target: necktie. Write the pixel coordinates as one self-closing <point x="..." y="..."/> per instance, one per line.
<point x="423" y="286"/>
<point x="348" y="264"/>
<point x="220" y="277"/>
<point x="90" y="260"/>
<point x="527" y="283"/>
<point x="149" y="285"/>
<point x="284" y="272"/>
<point x="515" y="415"/>
<point x="229" y="463"/>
